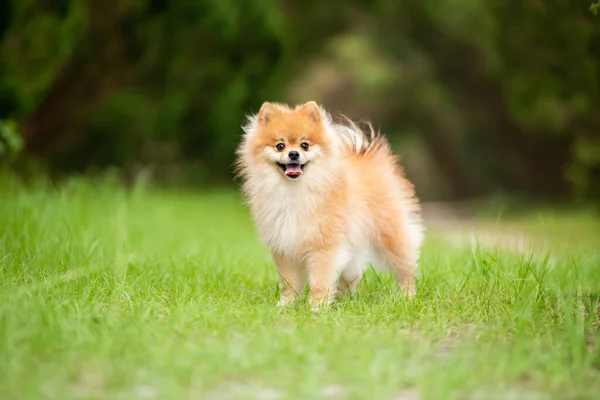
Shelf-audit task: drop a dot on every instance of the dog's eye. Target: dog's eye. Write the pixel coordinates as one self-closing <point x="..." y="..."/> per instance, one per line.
<point x="280" y="147"/>
<point x="304" y="146"/>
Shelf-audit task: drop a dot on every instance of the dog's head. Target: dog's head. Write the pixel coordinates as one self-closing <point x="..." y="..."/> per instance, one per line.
<point x="290" y="141"/>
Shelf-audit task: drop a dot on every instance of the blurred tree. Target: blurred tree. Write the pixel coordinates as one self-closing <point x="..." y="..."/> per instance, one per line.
<point x="10" y="142"/>
<point x="504" y="93"/>
<point x="37" y="39"/>
<point x="522" y="75"/>
<point x="143" y="75"/>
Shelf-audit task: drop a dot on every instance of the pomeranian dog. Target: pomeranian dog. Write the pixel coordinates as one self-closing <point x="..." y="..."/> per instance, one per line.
<point x="327" y="199"/>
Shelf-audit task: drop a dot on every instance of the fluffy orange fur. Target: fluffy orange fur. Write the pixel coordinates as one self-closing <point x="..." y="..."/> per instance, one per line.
<point x="327" y="199"/>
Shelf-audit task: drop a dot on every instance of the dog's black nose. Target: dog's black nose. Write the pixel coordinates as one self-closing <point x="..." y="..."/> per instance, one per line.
<point x="294" y="155"/>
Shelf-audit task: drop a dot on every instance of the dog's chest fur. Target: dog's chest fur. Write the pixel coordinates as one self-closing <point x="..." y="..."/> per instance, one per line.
<point x="283" y="224"/>
<point x="285" y="216"/>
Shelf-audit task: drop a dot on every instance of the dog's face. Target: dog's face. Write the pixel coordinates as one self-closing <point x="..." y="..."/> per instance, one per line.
<point x="291" y="141"/>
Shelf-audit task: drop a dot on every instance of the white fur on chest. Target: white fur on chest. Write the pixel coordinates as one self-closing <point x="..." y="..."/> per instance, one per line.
<point x="284" y="215"/>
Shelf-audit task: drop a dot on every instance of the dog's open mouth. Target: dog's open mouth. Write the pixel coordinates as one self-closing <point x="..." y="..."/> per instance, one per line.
<point x="292" y="170"/>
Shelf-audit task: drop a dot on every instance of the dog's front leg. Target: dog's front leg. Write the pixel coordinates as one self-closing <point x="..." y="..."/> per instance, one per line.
<point x="323" y="272"/>
<point x="292" y="279"/>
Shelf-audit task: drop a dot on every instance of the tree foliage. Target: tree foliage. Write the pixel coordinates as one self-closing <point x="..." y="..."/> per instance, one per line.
<point x="504" y="93"/>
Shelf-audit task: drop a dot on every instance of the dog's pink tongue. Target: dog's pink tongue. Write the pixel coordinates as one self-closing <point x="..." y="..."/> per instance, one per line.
<point x="293" y="169"/>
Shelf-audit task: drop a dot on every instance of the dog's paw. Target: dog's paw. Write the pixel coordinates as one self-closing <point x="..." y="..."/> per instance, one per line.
<point x="284" y="302"/>
<point x="320" y="305"/>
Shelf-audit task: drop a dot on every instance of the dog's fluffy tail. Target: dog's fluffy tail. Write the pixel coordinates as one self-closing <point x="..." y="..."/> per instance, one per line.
<point x="372" y="144"/>
<point x="359" y="142"/>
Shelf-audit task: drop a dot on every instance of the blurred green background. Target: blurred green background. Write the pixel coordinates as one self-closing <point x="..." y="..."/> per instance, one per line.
<point x="481" y="97"/>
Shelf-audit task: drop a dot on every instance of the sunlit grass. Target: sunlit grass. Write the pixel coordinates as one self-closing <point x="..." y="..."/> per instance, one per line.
<point x="147" y="294"/>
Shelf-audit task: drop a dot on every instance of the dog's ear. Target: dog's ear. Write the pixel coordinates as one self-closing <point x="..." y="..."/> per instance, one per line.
<point x="266" y="113"/>
<point x="310" y="109"/>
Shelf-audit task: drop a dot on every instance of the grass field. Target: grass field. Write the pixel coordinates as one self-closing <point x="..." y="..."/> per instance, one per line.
<point x="159" y="294"/>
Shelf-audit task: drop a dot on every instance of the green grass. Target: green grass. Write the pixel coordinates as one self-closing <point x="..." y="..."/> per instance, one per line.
<point x="153" y="294"/>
